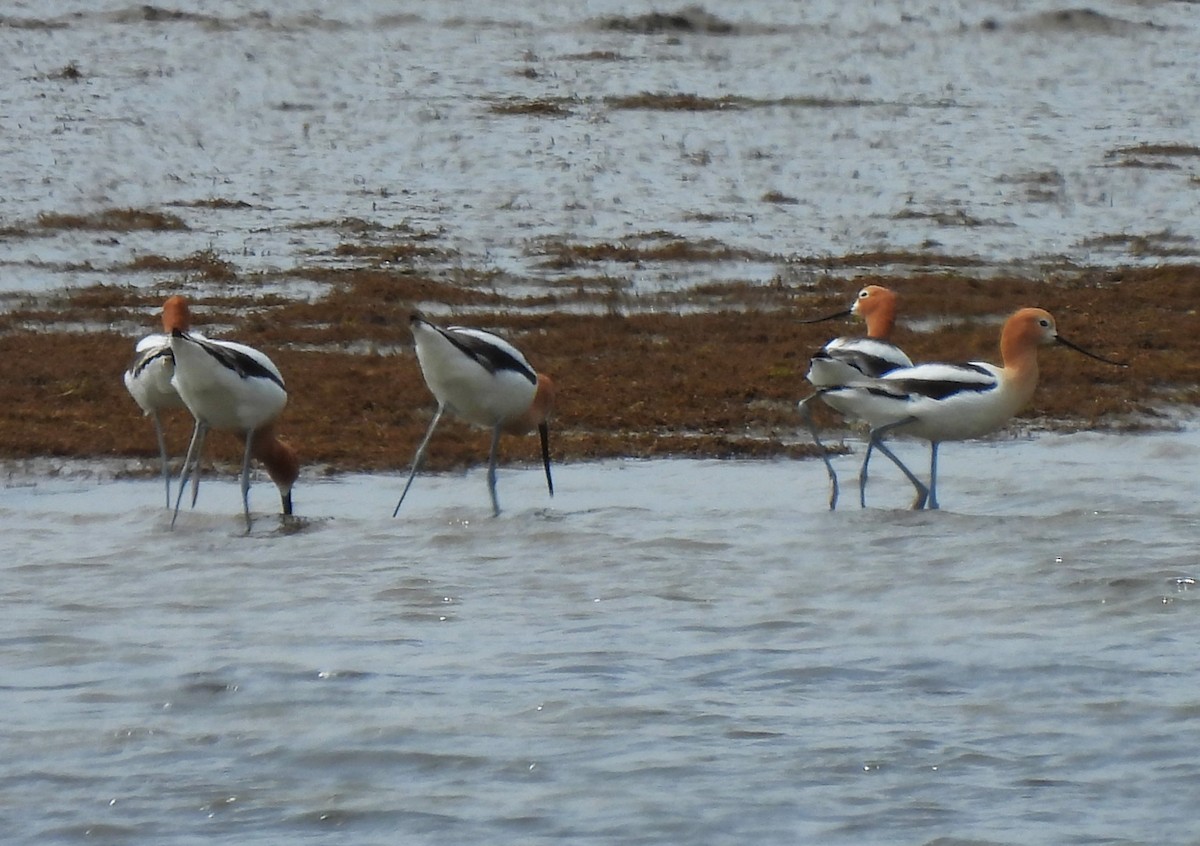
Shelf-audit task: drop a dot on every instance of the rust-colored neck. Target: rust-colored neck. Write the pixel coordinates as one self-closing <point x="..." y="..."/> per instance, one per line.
<point x="1023" y="333"/>
<point x="878" y="310"/>
<point x="540" y="410"/>
<point x="278" y="457"/>
<point x="175" y="315"/>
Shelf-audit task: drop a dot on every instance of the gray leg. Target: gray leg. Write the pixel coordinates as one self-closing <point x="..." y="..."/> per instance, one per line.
<point x="189" y="461"/>
<point x="862" y="475"/>
<point x="806" y="416"/>
<point x="876" y="440"/>
<point x="246" y="479"/>
<point x="933" y="451"/>
<point x="922" y="491"/>
<point x="491" y="474"/>
<point x="162" y="455"/>
<point x="196" y="469"/>
<point x="420" y="455"/>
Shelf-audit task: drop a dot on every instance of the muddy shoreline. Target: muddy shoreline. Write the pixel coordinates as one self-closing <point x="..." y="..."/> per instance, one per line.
<point x="714" y="371"/>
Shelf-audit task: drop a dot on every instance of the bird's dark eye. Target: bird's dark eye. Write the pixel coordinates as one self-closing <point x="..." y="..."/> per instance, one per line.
<point x="1045" y="323"/>
<point x="863" y="294"/>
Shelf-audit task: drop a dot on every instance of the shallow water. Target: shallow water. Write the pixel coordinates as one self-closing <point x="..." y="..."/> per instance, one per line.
<point x="668" y="651"/>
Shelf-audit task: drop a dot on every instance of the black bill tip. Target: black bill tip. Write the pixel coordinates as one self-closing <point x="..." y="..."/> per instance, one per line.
<point x="844" y="313"/>
<point x="1088" y="353"/>
<point x="544" y="433"/>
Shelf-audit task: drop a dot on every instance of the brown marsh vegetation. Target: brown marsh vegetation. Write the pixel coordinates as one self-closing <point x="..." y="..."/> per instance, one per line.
<point x="113" y="220"/>
<point x="714" y="370"/>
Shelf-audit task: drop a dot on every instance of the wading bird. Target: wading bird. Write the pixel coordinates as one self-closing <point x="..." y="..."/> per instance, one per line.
<point x="233" y="387"/>
<point x="148" y="381"/>
<point x="484" y="380"/>
<point x="951" y="402"/>
<point x="849" y="360"/>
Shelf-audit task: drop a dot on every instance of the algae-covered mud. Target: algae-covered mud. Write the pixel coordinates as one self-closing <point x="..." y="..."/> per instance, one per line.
<point x="647" y="201"/>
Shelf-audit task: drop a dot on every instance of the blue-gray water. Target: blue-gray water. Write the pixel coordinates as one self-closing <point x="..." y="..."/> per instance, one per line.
<point x="667" y="652"/>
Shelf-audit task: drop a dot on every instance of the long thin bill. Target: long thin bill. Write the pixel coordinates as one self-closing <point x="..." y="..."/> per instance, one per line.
<point x="845" y="313"/>
<point x="1080" y="349"/>
<point x="544" y="432"/>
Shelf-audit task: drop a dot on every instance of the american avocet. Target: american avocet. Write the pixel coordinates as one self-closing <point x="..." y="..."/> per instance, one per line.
<point x="148" y="380"/>
<point x="849" y="360"/>
<point x="486" y="381"/>
<point x="952" y="402"/>
<point x="230" y="386"/>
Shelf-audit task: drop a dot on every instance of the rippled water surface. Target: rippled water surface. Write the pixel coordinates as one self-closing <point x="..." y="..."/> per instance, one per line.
<point x="668" y="651"/>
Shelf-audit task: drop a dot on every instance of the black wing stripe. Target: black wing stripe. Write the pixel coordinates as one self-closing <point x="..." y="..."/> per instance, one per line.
<point x="871" y="366"/>
<point x="143" y="359"/>
<point x="899" y="394"/>
<point x="489" y="356"/>
<point x="237" y="361"/>
<point x="940" y="389"/>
